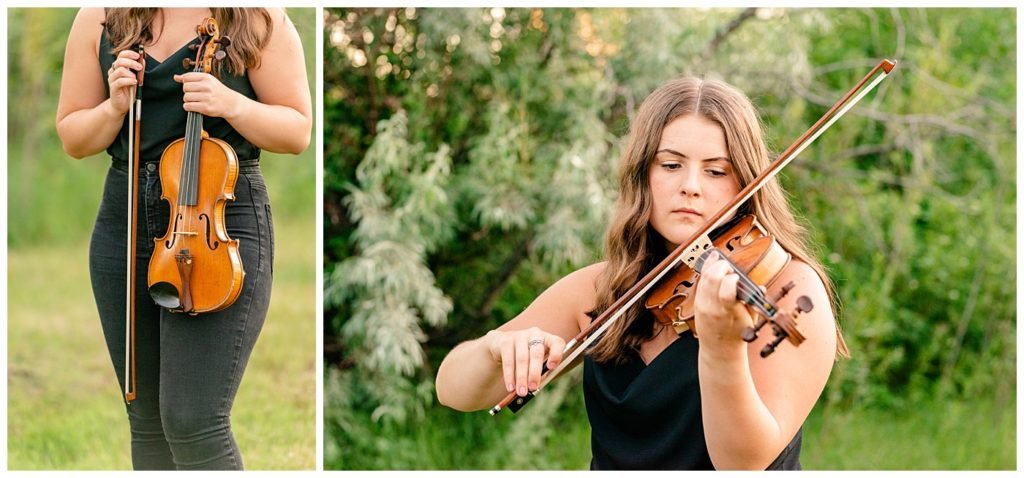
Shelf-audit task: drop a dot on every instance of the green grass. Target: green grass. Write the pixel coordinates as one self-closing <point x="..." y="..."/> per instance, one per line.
<point x="64" y="408"/>
<point x="936" y="435"/>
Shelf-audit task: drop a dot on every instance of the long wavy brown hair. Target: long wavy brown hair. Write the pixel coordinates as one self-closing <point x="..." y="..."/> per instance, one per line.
<point x="249" y="29"/>
<point x="633" y="247"/>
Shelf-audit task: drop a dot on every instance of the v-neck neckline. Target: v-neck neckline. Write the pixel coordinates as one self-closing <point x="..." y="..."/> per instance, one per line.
<point x="645" y="365"/>
<point x="173" y="54"/>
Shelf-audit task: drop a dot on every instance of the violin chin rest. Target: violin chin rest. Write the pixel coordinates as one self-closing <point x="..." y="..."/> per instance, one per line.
<point x="165" y="295"/>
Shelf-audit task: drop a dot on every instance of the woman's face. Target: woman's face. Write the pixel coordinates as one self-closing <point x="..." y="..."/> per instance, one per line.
<point x="691" y="178"/>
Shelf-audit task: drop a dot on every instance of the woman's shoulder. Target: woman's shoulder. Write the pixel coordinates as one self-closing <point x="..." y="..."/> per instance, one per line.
<point x="802" y="274"/>
<point x="86" y="30"/>
<point x="578" y="288"/>
<point x="585" y="278"/>
<point x="90" y="18"/>
<point x="279" y="22"/>
<point x="92" y="15"/>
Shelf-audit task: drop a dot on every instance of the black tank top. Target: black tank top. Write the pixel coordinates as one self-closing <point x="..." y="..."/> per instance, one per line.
<point x="163" y="118"/>
<point x="648" y="416"/>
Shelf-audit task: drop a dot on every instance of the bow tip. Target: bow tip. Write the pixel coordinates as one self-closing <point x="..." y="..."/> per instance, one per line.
<point x="888" y="65"/>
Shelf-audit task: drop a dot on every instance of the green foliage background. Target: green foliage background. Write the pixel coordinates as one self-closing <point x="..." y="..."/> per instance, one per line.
<point x="469" y="162"/>
<point x="64" y="407"/>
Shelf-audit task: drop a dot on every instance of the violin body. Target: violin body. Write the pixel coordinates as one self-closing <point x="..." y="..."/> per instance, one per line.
<point x="195" y="266"/>
<point x="746" y="244"/>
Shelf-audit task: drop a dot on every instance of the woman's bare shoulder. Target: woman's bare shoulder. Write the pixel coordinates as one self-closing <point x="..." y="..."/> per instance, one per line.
<point x="802" y="275"/>
<point x="91" y="15"/>
<point x="584" y="279"/>
<point x="87" y="26"/>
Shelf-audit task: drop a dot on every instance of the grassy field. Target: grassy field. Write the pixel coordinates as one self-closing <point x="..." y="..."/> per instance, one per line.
<point x="64" y="408"/>
<point x="935" y="435"/>
<point x="975" y="435"/>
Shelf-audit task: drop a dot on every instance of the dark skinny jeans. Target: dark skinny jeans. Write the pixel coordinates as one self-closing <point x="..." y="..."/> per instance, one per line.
<point x="188" y="368"/>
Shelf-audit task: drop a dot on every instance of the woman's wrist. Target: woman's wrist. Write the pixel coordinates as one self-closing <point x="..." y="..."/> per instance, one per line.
<point x="723" y="353"/>
<point x="239" y="104"/>
<point x="110" y="112"/>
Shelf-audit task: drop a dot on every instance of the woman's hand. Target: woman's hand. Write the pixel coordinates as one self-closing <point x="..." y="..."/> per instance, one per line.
<point x="206" y="95"/>
<point x="121" y="77"/>
<point x="720" y="317"/>
<point x="522" y="353"/>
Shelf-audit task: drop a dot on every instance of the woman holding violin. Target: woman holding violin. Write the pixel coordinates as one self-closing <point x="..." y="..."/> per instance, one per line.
<point x="183" y="100"/>
<point x="657" y="396"/>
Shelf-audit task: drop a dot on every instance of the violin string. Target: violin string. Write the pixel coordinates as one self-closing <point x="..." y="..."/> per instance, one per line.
<point x="744" y="279"/>
<point x="746" y="288"/>
<point x="192" y="152"/>
<point x="184" y="160"/>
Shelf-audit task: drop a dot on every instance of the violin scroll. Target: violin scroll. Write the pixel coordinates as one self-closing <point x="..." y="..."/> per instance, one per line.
<point x="784" y="326"/>
<point x="210" y="49"/>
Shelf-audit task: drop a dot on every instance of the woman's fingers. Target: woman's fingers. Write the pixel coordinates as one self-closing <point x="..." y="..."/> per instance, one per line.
<point x="727" y="288"/>
<point x="556" y="347"/>
<point x="127" y="64"/>
<point x="523" y="355"/>
<point x="522" y="362"/>
<point x="508" y="369"/>
<point x="122" y="83"/>
<point x="538" y="348"/>
<point x="121" y="76"/>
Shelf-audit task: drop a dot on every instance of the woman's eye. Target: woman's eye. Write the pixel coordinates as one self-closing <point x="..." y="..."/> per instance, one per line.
<point x="671" y="166"/>
<point x="716" y="173"/>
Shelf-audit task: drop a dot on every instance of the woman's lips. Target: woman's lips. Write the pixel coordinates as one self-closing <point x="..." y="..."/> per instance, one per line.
<point x="686" y="211"/>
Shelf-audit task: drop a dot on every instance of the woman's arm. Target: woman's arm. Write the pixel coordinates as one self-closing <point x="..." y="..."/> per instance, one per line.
<point x="87" y="119"/>
<point x="752" y="406"/>
<point x="281" y="119"/>
<point x="479" y="373"/>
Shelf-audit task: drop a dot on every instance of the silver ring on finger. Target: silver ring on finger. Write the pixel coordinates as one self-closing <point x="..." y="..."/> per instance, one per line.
<point x="535" y="342"/>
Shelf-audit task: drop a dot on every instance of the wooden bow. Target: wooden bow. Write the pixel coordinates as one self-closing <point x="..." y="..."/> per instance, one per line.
<point x="134" y="135"/>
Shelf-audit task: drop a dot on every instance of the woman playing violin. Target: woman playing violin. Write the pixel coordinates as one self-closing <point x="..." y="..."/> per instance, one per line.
<point x="655" y="398"/>
<point x="255" y="98"/>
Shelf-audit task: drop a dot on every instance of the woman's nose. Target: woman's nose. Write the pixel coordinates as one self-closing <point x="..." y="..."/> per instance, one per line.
<point x="690" y="183"/>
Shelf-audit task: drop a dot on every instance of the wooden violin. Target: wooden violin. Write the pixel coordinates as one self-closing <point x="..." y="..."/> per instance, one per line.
<point x="757" y="258"/>
<point x="195" y="266"/>
<point x="690" y="254"/>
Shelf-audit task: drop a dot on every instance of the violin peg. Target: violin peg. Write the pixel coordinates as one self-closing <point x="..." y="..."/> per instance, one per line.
<point x="804" y="304"/>
<point x="220" y="55"/>
<point x="782" y="292"/>
<point x="769" y="348"/>
<point x="225" y="41"/>
<point x="193" y="47"/>
<point x="188" y="63"/>
<point x="750" y="333"/>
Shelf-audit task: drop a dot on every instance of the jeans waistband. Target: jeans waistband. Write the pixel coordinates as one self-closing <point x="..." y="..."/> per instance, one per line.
<point x="245" y="166"/>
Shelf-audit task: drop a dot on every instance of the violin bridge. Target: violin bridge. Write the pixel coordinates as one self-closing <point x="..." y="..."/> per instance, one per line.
<point x="693" y="254"/>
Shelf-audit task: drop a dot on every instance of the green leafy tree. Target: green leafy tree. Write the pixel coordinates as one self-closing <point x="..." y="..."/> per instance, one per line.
<point x="501" y="128"/>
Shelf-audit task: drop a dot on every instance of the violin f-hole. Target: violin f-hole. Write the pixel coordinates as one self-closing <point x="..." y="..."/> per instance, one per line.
<point x="212" y="243"/>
